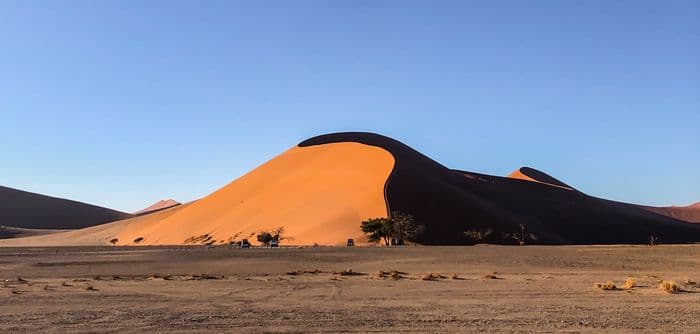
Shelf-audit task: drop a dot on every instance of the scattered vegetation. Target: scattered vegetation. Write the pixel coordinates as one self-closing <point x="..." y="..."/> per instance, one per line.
<point x="669" y="286"/>
<point x="688" y="282"/>
<point x="349" y="272"/>
<point x="265" y="238"/>
<point x="200" y="239"/>
<point x="278" y="234"/>
<point x="479" y="236"/>
<point x="609" y="285"/>
<point x="491" y="276"/>
<point x="399" y="227"/>
<point x="138" y="240"/>
<point x="521" y="237"/>
<point x="432" y="277"/>
<point x="653" y="240"/>
<point x="114" y="241"/>
<point x="90" y="288"/>
<point x="630" y="283"/>
<point x="454" y="276"/>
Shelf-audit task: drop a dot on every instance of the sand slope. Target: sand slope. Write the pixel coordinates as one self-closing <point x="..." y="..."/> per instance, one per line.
<point x="29" y="210"/>
<point x="157" y="206"/>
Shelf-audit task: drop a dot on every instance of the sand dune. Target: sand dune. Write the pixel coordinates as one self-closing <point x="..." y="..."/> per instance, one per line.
<point x="690" y="213"/>
<point x="29" y="210"/>
<point x="157" y="206"/>
<point x="531" y="174"/>
<point x="321" y="190"/>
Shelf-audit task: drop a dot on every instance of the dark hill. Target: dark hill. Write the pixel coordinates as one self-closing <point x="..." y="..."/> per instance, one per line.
<point x="29" y="210"/>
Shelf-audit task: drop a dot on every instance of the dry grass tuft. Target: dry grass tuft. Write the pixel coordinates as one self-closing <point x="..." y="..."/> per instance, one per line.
<point x="90" y="288"/>
<point x="454" y="276"/>
<point x="349" y="272"/>
<point x="609" y="285"/>
<point x="669" y="286"/>
<point x="432" y="277"/>
<point x="491" y="276"/>
<point x="630" y="283"/>
<point x="688" y="282"/>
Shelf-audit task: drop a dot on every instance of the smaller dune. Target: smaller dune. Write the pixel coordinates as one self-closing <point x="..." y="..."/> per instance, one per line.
<point x="157" y="206"/>
<point x="531" y="174"/>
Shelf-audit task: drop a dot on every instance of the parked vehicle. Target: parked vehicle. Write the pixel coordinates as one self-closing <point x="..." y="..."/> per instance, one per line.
<point x="244" y="243"/>
<point x="351" y="243"/>
<point x="274" y="243"/>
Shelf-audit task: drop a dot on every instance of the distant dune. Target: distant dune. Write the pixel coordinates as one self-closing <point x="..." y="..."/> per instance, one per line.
<point x="29" y="210"/>
<point x="690" y="213"/>
<point x="18" y="232"/>
<point x="321" y="190"/>
<point x="157" y="206"/>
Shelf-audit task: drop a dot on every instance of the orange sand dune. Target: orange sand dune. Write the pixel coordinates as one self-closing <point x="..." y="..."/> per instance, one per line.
<point x="318" y="194"/>
<point x="157" y="206"/>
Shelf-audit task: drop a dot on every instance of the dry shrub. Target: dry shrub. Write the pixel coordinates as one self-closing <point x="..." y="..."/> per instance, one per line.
<point x="90" y="288"/>
<point x="432" y="277"/>
<point x="609" y="285"/>
<point x="630" y="283"/>
<point x="66" y="284"/>
<point x="688" y="282"/>
<point x="491" y="276"/>
<point x="349" y="272"/>
<point x="454" y="276"/>
<point x="669" y="286"/>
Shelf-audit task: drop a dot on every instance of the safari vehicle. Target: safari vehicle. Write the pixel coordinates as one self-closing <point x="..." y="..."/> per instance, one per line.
<point x="351" y="243"/>
<point x="244" y="243"/>
<point x="274" y="243"/>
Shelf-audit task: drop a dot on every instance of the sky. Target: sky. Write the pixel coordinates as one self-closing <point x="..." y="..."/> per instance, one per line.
<point x="123" y="103"/>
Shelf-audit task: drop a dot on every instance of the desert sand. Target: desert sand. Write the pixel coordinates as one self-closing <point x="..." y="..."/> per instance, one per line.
<point x="157" y="206"/>
<point x="544" y="289"/>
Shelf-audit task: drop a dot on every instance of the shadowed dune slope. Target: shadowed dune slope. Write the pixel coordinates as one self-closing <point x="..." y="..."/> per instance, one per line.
<point x="534" y="175"/>
<point x="19" y="232"/>
<point x="450" y="202"/>
<point x="690" y="213"/>
<point x="29" y="210"/>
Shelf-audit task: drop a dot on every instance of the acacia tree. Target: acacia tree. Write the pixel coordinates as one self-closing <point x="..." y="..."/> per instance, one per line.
<point x="400" y="225"/>
<point x="265" y="238"/>
<point x="378" y="229"/>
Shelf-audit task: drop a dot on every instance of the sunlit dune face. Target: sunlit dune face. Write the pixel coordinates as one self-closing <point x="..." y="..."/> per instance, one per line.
<point x="518" y="174"/>
<point x="319" y="194"/>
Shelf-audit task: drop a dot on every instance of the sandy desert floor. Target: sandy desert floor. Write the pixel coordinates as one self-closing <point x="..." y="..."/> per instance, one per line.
<point x="536" y="289"/>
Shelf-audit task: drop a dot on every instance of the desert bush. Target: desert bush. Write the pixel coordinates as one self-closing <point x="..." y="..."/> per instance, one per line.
<point x="630" y="283"/>
<point x="669" y="286"/>
<point x="265" y="238"/>
<point x="400" y="225"/>
<point x="432" y="277"/>
<point x="491" y="276"/>
<point x="653" y="240"/>
<point x="478" y="236"/>
<point x="454" y="276"/>
<point x="688" y="282"/>
<point x="114" y="241"/>
<point x="609" y="285"/>
<point x="138" y="240"/>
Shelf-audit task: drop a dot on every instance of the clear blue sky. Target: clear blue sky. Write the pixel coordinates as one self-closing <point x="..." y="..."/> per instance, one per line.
<point x="122" y="103"/>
